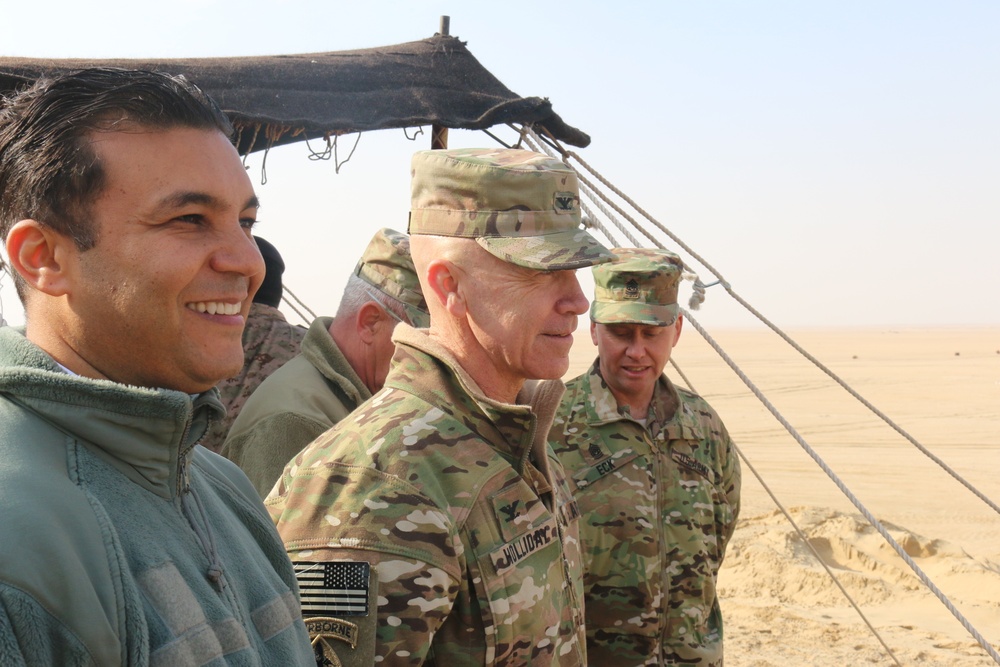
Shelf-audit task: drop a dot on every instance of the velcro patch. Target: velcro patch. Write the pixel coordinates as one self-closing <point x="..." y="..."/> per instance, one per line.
<point x="692" y="463"/>
<point x="322" y="627"/>
<point x="338" y="642"/>
<point x="517" y="510"/>
<point x="565" y="202"/>
<point x="569" y="512"/>
<point x="524" y="545"/>
<point x="597" y="471"/>
<point x="339" y="587"/>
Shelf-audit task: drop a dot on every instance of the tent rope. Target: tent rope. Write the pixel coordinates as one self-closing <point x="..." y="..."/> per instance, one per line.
<point x="798" y="531"/>
<point x="816" y="362"/>
<point x="843" y="488"/>
<point x="720" y="280"/>
<point x="881" y="415"/>
<point x="296" y="310"/>
<point x="590" y="220"/>
<point x="628" y="200"/>
<point x="337" y="162"/>
<point x="617" y="223"/>
<point x="594" y="194"/>
<point x="286" y="293"/>
<point x="591" y="196"/>
<point x="677" y="369"/>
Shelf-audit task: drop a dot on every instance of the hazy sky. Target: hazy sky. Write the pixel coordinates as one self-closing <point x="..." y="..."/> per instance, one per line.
<point x="838" y="162"/>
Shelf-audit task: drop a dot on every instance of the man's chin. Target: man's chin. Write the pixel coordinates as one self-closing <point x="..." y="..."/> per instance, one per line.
<point x="210" y="375"/>
<point x="553" y="371"/>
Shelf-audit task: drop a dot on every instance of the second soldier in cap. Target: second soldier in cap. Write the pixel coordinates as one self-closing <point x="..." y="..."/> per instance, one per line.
<point x="655" y="475"/>
<point x="344" y="360"/>
<point x="438" y="502"/>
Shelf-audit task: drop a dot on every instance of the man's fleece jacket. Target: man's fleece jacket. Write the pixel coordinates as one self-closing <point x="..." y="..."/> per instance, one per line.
<point x="124" y="544"/>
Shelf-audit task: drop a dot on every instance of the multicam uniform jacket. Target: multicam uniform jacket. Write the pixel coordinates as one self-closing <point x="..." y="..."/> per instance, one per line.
<point x="449" y="512"/>
<point x="658" y="505"/>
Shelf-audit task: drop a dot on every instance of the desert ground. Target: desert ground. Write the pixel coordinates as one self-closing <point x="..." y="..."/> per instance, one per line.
<point x="942" y="387"/>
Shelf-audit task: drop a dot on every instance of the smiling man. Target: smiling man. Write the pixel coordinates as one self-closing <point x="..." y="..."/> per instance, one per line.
<point x="433" y="525"/>
<point x="126" y="215"/>
<point x="655" y="475"/>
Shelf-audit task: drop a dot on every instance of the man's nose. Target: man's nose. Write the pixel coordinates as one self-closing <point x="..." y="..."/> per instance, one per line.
<point x="573" y="301"/>
<point x="238" y="253"/>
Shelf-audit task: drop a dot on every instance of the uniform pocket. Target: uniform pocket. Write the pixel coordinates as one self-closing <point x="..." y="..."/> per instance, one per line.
<point x="619" y="534"/>
<point x="520" y="580"/>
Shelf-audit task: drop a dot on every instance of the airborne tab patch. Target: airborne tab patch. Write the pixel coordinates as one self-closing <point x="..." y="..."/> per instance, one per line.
<point x="322" y="627"/>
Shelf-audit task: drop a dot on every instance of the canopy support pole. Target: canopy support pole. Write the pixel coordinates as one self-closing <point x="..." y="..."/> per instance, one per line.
<point x="439" y="133"/>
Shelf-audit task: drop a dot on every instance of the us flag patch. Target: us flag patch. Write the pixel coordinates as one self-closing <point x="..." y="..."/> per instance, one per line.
<point x="339" y="588"/>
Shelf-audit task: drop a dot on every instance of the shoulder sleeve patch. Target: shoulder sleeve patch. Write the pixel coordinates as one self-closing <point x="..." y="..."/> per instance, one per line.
<point x="339" y="587"/>
<point x="339" y="609"/>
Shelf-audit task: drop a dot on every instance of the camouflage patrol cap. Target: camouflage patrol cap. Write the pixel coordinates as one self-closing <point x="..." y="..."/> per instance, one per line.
<point x="387" y="266"/>
<point x="638" y="287"/>
<point x="522" y="207"/>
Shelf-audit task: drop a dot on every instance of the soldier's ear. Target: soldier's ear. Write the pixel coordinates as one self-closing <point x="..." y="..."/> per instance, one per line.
<point x="593" y="331"/>
<point x="443" y="278"/>
<point x="367" y="321"/>
<point x="41" y="256"/>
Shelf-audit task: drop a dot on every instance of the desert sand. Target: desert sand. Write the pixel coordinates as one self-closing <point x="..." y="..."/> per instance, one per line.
<point x="942" y="386"/>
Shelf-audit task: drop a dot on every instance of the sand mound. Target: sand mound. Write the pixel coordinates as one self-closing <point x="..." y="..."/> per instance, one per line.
<point x="781" y="606"/>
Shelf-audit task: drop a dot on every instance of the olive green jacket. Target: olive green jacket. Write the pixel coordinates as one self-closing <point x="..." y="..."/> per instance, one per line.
<point x="293" y="407"/>
<point x="269" y="342"/>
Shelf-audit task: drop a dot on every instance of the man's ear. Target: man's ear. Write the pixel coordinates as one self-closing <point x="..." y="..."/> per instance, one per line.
<point x="39" y="254"/>
<point x="443" y="278"/>
<point x="593" y="331"/>
<point x="368" y="320"/>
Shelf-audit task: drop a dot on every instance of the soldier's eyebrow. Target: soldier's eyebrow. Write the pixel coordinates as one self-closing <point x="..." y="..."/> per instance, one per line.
<point x="188" y="197"/>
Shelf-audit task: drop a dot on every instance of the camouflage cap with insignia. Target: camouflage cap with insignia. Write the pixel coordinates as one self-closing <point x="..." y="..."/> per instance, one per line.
<point x="522" y="207"/>
<point x="387" y="266"/>
<point x="638" y="287"/>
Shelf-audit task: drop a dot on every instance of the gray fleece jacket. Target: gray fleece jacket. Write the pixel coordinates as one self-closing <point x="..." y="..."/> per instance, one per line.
<point x="124" y="544"/>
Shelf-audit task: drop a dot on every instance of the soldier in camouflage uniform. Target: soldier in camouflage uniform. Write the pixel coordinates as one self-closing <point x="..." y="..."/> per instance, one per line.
<point x="434" y="525"/>
<point x="268" y="343"/>
<point x="344" y="360"/>
<point x="654" y="473"/>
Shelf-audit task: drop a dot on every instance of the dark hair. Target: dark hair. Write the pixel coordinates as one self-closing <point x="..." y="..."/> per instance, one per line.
<point x="48" y="170"/>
